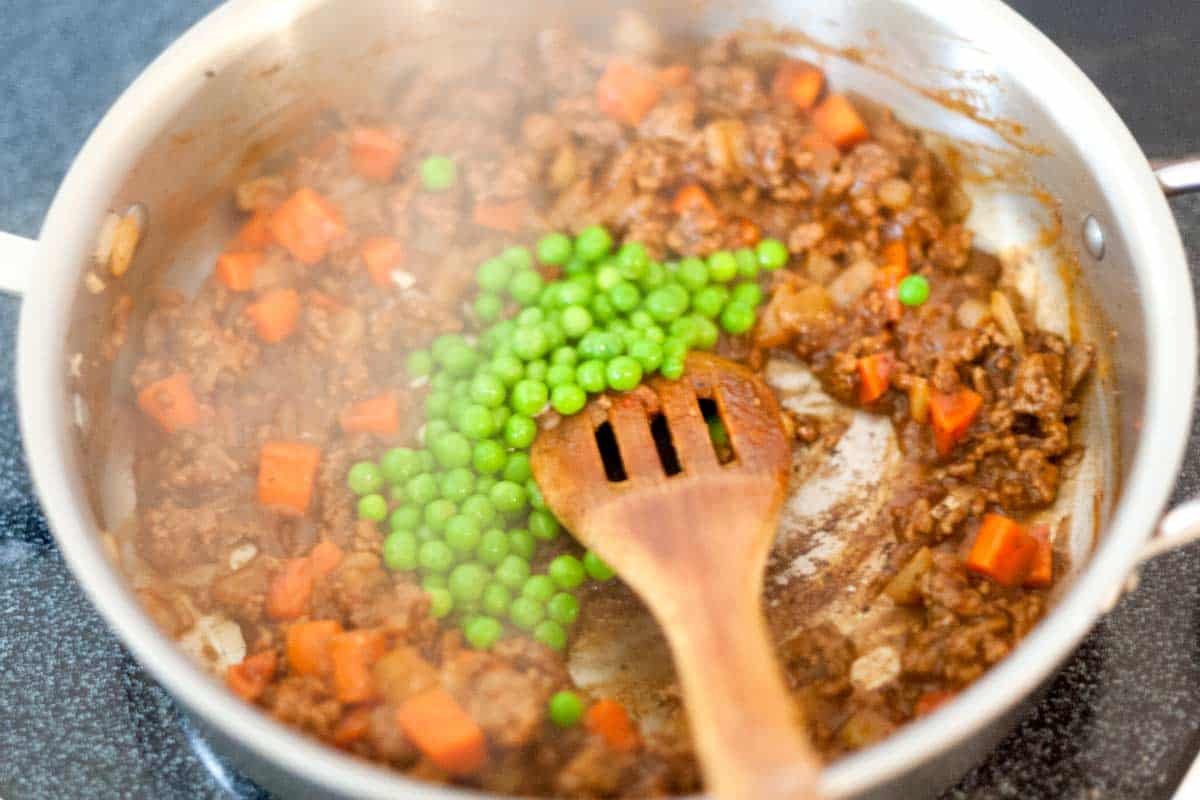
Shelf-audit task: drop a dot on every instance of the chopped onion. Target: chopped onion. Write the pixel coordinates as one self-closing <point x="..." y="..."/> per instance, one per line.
<point x="126" y="239"/>
<point x="918" y="400"/>
<point x="242" y="555"/>
<point x="1006" y="318"/>
<point x="852" y="284"/>
<point x="971" y="313"/>
<point x="215" y="642"/>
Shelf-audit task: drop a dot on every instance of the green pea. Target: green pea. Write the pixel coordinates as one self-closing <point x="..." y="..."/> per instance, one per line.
<point x="600" y="344"/>
<point x="485" y="484"/>
<point x="508" y="497"/>
<point x="488" y="456"/>
<point x="568" y="398"/>
<point x="525" y="287"/>
<point x="590" y="376"/>
<point x="400" y="551"/>
<point x="554" y="248"/>
<point x="373" y="507"/>
<point x="624" y="297"/>
<point x="565" y="709"/>
<point x="575" y="292"/>
<point x="462" y="533"/>
<point x="437" y="428"/>
<point x="672" y="367"/>
<point x="440" y="603"/>
<point x="493" y="547"/>
<point x="488" y="307"/>
<point x="477" y="422"/>
<point x="535" y="495"/>
<point x="437" y="405"/>
<point x="542" y="524"/>
<point x="467" y="582"/>
<point x="425" y="534"/>
<point x="526" y="613"/>
<point x="530" y="343"/>
<point x="421" y="489"/>
<point x="623" y="373"/>
<point x="632" y="260"/>
<point x="602" y="308"/>
<point x="748" y="293"/>
<point x="563" y="608"/>
<point x="705" y="332"/>
<point x="438" y="173"/>
<point x="365" y="477"/>
<point x="483" y="632"/>
<point x="399" y="464"/>
<point x="522" y="543"/>
<point x="529" y="397"/>
<point x="913" y="290"/>
<point x="593" y="243"/>
<point x="747" y="261"/>
<point x="496" y="599"/>
<point x="435" y="556"/>
<point x="432" y="581"/>
<point x="692" y="274"/>
<point x="559" y="374"/>
<point x="722" y="266"/>
<point x="536" y="370"/>
<point x="551" y="296"/>
<point x="530" y="317"/>
<point x="539" y="587"/>
<point x="457" y="484"/>
<point x="397" y="495"/>
<point x="772" y="254"/>
<point x="685" y="330"/>
<point x="438" y="513"/>
<point x="596" y="568"/>
<point x="461" y="360"/>
<point x="479" y="508"/>
<point x="419" y="363"/>
<point x="566" y="571"/>
<point x="494" y="274"/>
<point x="488" y="390"/>
<point x="737" y="318"/>
<point x="405" y="518"/>
<point x="667" y="303"/>
<point x="452" y="450"/>
<point x="648" y="353"/>
<point x="508" y="369"/>
<point x="551" y="634"/>
<point x="520" y="431"/>
<point x="512" y="571"/>
<point x="576" y="321"/>
<point x="709" y="301"/>
<point x="518" y="256"/>
<point x="654" y="277"/>
<point x="517" y="469"/>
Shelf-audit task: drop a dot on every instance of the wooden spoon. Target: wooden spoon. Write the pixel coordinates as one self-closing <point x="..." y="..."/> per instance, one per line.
<point x="690" y="535"/>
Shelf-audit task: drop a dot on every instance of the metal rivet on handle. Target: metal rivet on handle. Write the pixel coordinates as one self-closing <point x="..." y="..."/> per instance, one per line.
<point x="1093" y="237"/>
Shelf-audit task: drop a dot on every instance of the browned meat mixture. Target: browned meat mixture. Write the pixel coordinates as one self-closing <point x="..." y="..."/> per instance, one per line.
<point x="688" y="152"/>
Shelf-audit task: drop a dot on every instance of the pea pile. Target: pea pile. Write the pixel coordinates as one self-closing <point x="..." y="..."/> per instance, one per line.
<point x="463" y="510"/>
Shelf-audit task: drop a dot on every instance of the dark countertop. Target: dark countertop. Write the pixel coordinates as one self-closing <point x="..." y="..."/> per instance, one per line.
<point x="79" y="718"/>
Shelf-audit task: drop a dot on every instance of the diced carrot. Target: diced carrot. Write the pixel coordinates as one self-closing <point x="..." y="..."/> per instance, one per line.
<point x="798" y="83"/>
<point x="286" y="473"/>
<point x="895" y="254"/>
<point x="307" y="646"/>
<point x="875" y="376"/>
<point x="1041" y="573"/>
<point x="675" y="75"/>
<point x="236" y="270"/>
<point x="625" y="93"/>
<point x="249" y="679"/>
<point x="353" y="726"/>
<point x="170" y="402"/>
<point x="837" y="118"/>
<point x="952" y="414"/>
<point x="290" y="590"/>
<point x="382" y="254"/>
<point x="375" y="154"/>
<point x="377" y="415"/>
<point x="325" y="558"/>
<point x="353" y="654"/>
<point x="443" y="731"/>
<point x="746" y="231"/>
<point x="1002" y="551"/>
<point x="692" y="199"/>
<point x="256" y="233"/>
<point x="306" y="224"/>
<point x="888" y="279"/>
<point x="931" y="701"/>
<point x="609" y="719"/>
<point x="505" y="216"/>
<point x="275" y="314"/>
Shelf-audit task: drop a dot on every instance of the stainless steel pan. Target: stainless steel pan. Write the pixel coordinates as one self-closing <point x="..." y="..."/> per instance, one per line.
<point x="972" y="71"/>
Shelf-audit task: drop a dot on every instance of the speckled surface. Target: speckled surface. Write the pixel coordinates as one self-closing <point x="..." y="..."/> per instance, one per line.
<point x="79" y="718"/>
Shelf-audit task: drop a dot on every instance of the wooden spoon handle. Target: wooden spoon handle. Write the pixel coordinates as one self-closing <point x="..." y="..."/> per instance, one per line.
<point x="743" y="720"/>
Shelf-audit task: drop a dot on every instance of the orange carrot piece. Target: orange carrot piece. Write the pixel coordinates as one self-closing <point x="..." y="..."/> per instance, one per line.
<point x="895" y="254"/>
<point x="609" y="719"/>
<point x="325" y="558"/>
<point x="1002" y="551"/>
<point x="675" y="75"/>
<point x="748" y="234"/>
<point x="504" y="216"/>
<point x="306" y="224"/>
<point x="290" y="590"/>
<point x="250" y="678"/>
<point x="275" y="314"/>
<point x="625" y="93"/>
<point x="692" y="199"/>
<point x="1041" y="572"/>
<point x="307" y="646"/>
<point x="443" y="731"/>
<point x="352" y="727"/>
<point x="256" y="233"/>
<point x="798" y="83"/>
<point x="887" y="280"/>
<point x="236" y="270"/>
<point x="952" y="414"/>
<point x="353" y="654"/>
<point x="286" y="473"/>
<point x="170" y="402"/>
<point x="382" y="254"/>
<point x="837" y="118"/>
<point x="931" y="701"/>
<point x="875" y="376"/>
<point x="375" y="154"/>
<point x="377" y="415"/>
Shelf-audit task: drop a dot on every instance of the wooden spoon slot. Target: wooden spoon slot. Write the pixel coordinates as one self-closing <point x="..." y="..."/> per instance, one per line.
<point x="718" y="431"/>
<point x="666" y="448"/>
<point x="610" y="453"/>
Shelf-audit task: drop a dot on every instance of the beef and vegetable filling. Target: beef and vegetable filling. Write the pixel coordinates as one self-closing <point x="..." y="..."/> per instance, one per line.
<point x="334" y="497"/>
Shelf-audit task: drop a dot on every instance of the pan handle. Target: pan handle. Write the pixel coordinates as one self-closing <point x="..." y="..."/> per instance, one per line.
<point x="16" y="263"/>
<point x="1178" y="527"/>
<point x="1178" y="175"/>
